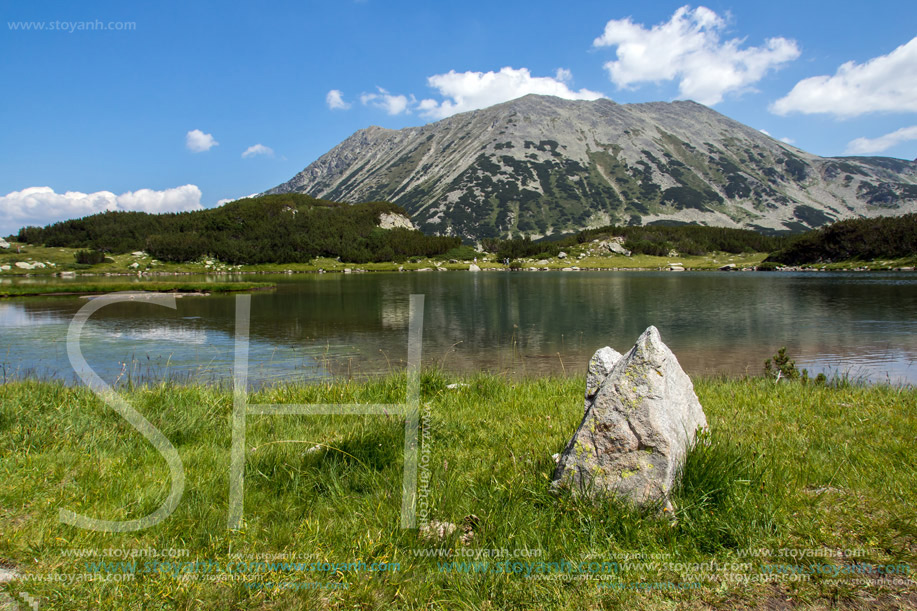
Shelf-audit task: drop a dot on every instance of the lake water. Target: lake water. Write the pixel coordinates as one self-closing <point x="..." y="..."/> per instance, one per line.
<point x="315" y="326"/>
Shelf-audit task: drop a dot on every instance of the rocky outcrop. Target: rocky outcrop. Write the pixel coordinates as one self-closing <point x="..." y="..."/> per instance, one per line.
<point x="4" y="243"/>
<point x="638" y="426"/>
<point x="391" y="221"/>
<point x="616" y="247"/>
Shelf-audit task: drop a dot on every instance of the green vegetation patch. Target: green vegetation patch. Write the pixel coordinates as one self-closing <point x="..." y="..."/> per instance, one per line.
<point x="287" y="228"/>
<point x="90" y="288"/>
<point x="687" y="239"/>
<point x="786" y="468"/>
<point x="854" y="239"/>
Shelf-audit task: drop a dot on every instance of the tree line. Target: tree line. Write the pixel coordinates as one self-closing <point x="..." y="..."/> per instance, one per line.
<point x="886" y="237"/>
<point x="656" y="240"/>
<point x="296" y="228"/>
<point x="284" y="228"/>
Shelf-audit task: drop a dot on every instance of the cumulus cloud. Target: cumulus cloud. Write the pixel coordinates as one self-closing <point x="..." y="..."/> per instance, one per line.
<point x="885" y="83"/>
<point x="472" y="90"/>
<point x="41" y="205"/>
<point x="390" y="103"/>
<point x="688" y="49"/>
<point x="198" y="142"/>
<point x="235" y="199"/>
<point x="868" y="146"/>
<point x="257" y="149"/>
<point x="335" y="100"/>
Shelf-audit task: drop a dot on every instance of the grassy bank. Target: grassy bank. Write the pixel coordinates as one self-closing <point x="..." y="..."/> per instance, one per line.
<point x="906" y="263"/>
<point x="57" y="260"/>
<point x="89" y="288"/>
<point x="796" y="473"/>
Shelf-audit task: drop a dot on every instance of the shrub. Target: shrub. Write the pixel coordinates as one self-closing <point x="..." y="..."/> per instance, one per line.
<point x="89" y="257"/>
<point x="781" y="366"/>
<point x="461" y="253"/>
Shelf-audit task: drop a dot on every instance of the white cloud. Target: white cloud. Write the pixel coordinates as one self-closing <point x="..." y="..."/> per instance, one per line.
<point x="235" y="199"/>
<point x="867" y="146"/>
<point x="41" y="205"/>
<point x="765" y="132"/>
<point x="688" y="49"/>
<point x="258" y="149"/>
<point x="392" y="104"/>
<point x="885" y="83"/>
<point x="198" y="142"/>
<point x="335" y="100"/>
<point x="472" y="90"/>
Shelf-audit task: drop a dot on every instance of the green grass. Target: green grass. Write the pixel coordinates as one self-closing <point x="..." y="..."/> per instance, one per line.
<point x="89" y="288"/>
<point x="785" y="466"/>
<point x="875" y="265"/>
<point x="63" y="260"/>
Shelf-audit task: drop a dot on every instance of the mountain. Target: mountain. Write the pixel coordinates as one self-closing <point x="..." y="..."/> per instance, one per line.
<point x="541" y="165"/>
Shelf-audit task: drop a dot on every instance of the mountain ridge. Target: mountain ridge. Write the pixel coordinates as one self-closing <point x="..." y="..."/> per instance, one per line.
<point x="541" y="165"/>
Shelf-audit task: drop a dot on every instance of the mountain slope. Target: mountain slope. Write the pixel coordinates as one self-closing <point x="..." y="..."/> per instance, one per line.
<point x="541" y="165"/>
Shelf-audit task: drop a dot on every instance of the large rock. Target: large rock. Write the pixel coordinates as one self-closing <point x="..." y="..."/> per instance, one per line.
<point x="638" y="427"/>
<point x="4" y="243"/>
<point x="393" y="221"/>
<point x="615" y="246"/>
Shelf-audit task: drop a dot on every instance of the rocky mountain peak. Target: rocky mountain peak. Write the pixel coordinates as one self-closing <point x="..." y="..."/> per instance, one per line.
<point x="542" y="165"/>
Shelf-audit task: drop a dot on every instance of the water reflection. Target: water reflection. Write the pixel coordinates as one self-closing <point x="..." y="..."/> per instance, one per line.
<point x="313" y="326"/>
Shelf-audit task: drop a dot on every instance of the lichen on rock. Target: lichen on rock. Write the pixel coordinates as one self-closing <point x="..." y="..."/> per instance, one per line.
<point x="641" y="419"/>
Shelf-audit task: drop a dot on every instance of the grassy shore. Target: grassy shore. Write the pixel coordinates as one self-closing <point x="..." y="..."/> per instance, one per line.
<point x="584" y="257"/>
<point x="89" y="288"/>
<point x="57" y="260"/>
<point x="796" y="477"/>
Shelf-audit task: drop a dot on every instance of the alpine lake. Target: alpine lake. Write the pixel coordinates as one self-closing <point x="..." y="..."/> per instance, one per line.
<point x="318" y="327"/>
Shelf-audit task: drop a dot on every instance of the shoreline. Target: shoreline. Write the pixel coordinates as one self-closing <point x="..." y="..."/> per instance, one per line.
<point x="147" y="274"/>
<point x="166" y="288"/>
<point x="458" y="378"/>
<point x="40" y="261"/>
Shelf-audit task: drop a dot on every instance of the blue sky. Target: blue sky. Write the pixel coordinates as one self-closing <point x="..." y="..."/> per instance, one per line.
<point x="176" y="105"/>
